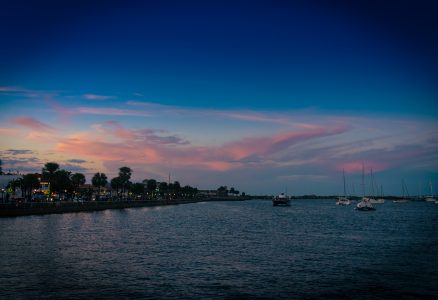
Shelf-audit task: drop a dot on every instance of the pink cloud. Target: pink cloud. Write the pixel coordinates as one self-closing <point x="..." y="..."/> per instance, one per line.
<point x="236" y="115"/>
<point x="115" y="129"/>
<point x="8" y="131"/>
<point x="96" y="97"/>
<point x="20" y="91"/>
<point x="281" y="141"/>
<point x="31" y="123"/>
<point x="154" y="149"/>
<point x="149" y="136"/>
<point x="107" y="151"/>
<point x="112" y="111"/>
<point x="10" y="89"/>
<point x="356" y="166"/>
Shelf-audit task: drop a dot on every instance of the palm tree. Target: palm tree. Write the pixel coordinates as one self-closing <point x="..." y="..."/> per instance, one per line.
<point x="234" y="191"/>
<point x="99" y="180"/>
<point x="137" y="189"/>
<point x="30" y="182"/>
<point x="151" y="187"/>
<point x="176" y="189"/>
<point x="189" y="192"/>
<point x="48" y="172"/>
<point x="124" y="175"/>
<point x="62" y="183"/>
<point x="77" y="179"/>
<point x="116" y="183"/>
<point x="222" y="191"/>
<point x="163" y="187"/>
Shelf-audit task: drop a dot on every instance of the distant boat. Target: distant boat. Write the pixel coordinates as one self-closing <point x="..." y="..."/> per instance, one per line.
<point x="430" y="198"/>
<point x="380" y="200"/>
<point x="405" y="194"/>
<point x="281" y="199"/>
<point x="372" y="200"/>
<point x="365" y="204"/>
<point x="343" y="200"/>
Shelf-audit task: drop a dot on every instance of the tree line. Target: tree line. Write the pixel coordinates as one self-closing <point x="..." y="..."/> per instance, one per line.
<point x="68" y="185"/>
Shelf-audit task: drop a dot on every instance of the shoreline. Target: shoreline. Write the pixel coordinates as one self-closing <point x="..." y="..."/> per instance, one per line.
<point x="44" y="208"/>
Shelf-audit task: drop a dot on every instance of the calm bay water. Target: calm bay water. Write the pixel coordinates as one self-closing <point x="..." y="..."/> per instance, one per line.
<point x="224" y="250"/>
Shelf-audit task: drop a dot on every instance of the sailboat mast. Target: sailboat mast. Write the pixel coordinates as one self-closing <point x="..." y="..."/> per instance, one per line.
<point x="363" y="180"/>
<point x="343" y="175"/>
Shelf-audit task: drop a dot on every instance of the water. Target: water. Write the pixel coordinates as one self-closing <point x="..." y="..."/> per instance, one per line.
<point x="224" y="250"/>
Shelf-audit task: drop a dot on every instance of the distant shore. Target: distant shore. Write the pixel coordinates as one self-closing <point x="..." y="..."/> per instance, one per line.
<point x="43" y="208"/>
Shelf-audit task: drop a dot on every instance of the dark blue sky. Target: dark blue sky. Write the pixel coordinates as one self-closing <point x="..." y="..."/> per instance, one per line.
<point x="336" y="55"/>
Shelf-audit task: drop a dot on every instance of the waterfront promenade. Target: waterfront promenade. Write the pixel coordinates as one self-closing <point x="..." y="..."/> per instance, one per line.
<point x="42" y="208"/>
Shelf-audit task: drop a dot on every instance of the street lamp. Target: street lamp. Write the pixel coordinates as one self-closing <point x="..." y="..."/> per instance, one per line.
<point x="3" y="192"/>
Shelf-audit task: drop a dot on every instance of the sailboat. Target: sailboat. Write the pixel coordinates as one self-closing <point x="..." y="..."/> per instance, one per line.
<point x="430" y="198"/>
<point x="405" y="194"/>
<point x="372" y="200"/>
<point x="365" y="204"/>
<point x="343" y="200"/>
<point x="380" y="200"/>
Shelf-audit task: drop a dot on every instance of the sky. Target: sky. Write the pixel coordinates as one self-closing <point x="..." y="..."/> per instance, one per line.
<point x="262" y="96"/>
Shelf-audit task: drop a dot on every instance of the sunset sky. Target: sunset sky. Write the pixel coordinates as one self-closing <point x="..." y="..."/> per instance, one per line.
<point x="262" y="96"/>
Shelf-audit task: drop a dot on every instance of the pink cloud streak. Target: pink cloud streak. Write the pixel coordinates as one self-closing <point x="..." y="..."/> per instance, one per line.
<point x="31" y="123"/>
<point x="97" y="97"/>
<point x="111" y="111"/>
<point x="250" y="116"/>
<point x="152" y="149"/>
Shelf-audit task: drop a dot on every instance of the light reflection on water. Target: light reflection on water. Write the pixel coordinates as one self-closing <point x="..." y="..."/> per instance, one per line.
<point x="312" y="249"/>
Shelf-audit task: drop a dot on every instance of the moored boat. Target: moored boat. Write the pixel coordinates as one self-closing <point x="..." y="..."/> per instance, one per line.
<point x="365" y="205"/>
<point x="430" y="197"/>
<point x="377" y="201"/>
<point x="281" y="199"/>
<point x="405" y="194"/>
<point x="343" y="200"/>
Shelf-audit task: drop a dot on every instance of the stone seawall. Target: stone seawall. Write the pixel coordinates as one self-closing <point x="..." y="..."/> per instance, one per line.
<point x="25" y="209"/>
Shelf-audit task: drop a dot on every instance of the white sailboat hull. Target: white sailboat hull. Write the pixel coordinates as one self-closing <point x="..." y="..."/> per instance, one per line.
<point x="343" y="201"/>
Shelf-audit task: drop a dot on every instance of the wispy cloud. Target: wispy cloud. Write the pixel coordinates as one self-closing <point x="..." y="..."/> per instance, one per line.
<point x="108" y="111"/>
<point x="76" y="161"/>
<point x="32" y="123"/>
<point x="21" y="91"/>
<point x="8" y="132"/>
<point x="147" y="135"/>
<point x="21" y="160"/>
<point x="10" y="89"/>
<point x="243" y="115"/>
<point x="18" y="151"/>
<point x="145" y="146"/>
<point x="97" y="97"/>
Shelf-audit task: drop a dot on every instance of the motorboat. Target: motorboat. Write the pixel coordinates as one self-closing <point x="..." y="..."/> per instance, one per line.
<point x="281" y="199"/>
